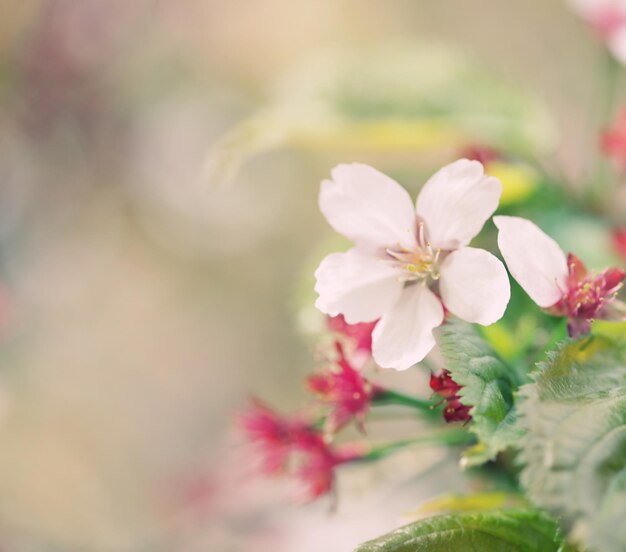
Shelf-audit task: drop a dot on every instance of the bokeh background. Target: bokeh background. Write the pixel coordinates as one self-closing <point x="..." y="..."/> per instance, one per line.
<point x="151" y="266"/>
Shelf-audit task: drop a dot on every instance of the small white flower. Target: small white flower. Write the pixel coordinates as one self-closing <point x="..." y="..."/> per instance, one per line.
<point x="561" y="284"/>
<point x="407" y="261"/>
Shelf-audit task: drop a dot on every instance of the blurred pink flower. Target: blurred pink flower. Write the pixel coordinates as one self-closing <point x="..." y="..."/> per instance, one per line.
<point x="64" y="62"/>
<point x="343" y="388"/>
<point x="483" y="154"/>
<point x="271" y="433"/>
<point x="313" y="463"/>
<point x="359" y="335"/>
<point x="407" y="260"/>
<point x="613" y="140"/>
<point x="608" y="19"/>
<point x="296" y="449"/>
<point x="555" y="282"/>
<point x="619" y="240"/>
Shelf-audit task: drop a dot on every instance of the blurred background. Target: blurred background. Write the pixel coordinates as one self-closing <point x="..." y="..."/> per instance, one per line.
<point x="155" y="272"/>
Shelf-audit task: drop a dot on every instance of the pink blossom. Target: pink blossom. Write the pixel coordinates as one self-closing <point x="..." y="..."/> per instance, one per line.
<point x="313" y="464"/>
<point x="408" y="262"/>
<point x="271" y="433"/>
<point x="360" y="334"/>
<point x="296" y="449"/>
<point x="345" y="390"/>
<point x="619" y="241"/>
<point x="586" y="296"/>
<point x="555" y="282"/>
<point x="608" y="19"/>
<point x="484" y="154"/>
<point x="613" y="140"/>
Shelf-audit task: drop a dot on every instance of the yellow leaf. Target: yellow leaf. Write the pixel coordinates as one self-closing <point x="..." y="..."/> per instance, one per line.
<point x="518" y="181"/>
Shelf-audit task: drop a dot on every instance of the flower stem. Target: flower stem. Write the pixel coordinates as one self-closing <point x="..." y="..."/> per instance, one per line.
<point x="388" y="396"/>
<point x="447" y="438"/>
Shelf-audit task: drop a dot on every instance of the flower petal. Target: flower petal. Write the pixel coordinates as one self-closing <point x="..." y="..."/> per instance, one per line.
<point x="404" y="335"/>
<point x="534" y="259"/>
<point x="474" y="285"/>
<point x="617" y="44"/>
<point x="456" y="202"/>
<point x="356" y="284"/>
<point x="368" y="207"/>
<point x="604" y="15"/>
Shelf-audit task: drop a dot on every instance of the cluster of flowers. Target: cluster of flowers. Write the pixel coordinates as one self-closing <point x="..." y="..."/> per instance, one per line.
<point x="301" y="445"/>
<point x="296" y="447"/>
<point x="444" y="385"/>
<point x="410" y="269"/>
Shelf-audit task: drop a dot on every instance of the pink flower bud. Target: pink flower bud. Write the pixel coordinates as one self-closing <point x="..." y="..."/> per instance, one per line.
<point x="446" y="387"/>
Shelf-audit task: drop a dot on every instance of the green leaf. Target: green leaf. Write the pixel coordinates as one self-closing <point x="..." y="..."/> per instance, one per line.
<point x="488" y="385"/>
<point x="574" y="449"/>
<point x="495" y="531"/>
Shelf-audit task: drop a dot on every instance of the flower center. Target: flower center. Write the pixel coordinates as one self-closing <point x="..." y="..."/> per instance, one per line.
<point x="419" y="263"/>
<point x="587" y="295"/>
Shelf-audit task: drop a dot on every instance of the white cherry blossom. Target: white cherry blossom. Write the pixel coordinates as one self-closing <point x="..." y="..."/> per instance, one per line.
<point x="408" y="263"/>
<point x="556" y="282"/>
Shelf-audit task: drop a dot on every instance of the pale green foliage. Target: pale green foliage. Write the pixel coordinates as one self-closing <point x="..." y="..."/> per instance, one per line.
<point x="487" y="386"/>
<point x="388" y="98"/>
<point x="495" y="531"/>
<point x="574" y="450"/>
